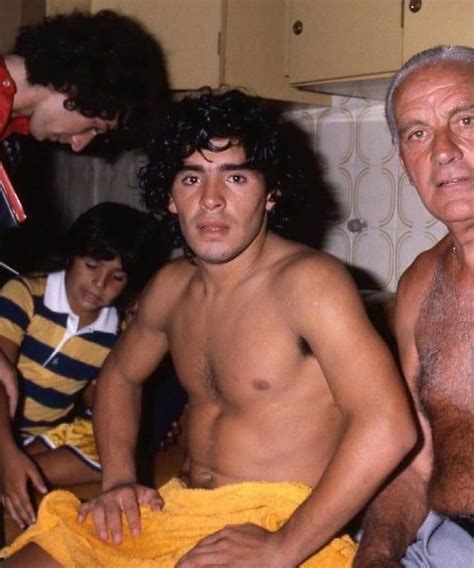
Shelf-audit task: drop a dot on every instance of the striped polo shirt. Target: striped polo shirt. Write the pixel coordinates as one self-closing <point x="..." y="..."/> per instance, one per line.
<point x="56" y="359"/>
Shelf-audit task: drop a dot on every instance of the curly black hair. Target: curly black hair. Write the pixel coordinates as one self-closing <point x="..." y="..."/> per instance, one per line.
<point x="106" y="64"/>
<point x="192" y="123"/>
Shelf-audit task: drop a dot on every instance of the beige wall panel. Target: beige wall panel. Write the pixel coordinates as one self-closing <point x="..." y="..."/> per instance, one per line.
<point x="344" y="38"/>
<point x="188" y="31"/>
<point x="10" y="18"/>
<point x="254" y="51"/>
<point x="66" y="6"/>
<point x="438" y="22"/>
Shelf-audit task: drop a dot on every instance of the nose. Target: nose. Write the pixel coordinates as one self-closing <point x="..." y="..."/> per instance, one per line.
<point x="445" y="148"/>
<point x="79" y="141"/>
<point x="212" y="197"/>
<point x="99" y="279"/>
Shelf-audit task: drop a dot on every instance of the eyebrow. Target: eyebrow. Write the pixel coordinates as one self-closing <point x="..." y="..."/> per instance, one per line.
<point x="462" y="108"/>
<point x="226" y="167"/>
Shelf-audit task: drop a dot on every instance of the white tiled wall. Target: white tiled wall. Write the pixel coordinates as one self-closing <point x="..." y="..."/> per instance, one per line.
<point x="362" y="167"/>
<point x="369" y="183"/>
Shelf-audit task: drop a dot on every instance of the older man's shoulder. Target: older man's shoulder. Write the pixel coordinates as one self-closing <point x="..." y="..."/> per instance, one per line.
<point x="418" y="276"/>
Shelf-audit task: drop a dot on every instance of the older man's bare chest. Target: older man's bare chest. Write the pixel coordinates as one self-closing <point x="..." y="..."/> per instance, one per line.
<point x="444" y="336"/>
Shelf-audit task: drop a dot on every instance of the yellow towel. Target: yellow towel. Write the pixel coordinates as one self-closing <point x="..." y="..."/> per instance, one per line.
<point x="188" y="516"/>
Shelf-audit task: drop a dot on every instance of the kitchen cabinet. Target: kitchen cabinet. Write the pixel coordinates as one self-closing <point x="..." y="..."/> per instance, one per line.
<point x="188" y="31"/>
<point x="10" y="19"/>
<point x="16" y="13"/>
<point x="437" y="22"/>
<point x="220" y="42"/>
<point x="353" y="40"/>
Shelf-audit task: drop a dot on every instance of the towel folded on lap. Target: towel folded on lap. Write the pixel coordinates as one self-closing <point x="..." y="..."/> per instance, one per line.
<point x="188" y="516"/>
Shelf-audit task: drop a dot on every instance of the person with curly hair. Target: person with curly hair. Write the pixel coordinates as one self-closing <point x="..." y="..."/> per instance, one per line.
<point x="285" y="375"/>
<point x="73" y="77"/>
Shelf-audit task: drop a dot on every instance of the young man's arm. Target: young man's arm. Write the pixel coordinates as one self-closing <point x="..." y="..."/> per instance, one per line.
<point x="116" y="416"/>
<point x="380" y="430"/>
<point x="393" y="518"/>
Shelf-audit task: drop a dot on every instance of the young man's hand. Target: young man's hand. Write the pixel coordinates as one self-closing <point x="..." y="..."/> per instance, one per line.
<point x="9" y="380"/>
<point x="245" y="546"/>
<point x="107" y="509"/>
<point x="17" y="472"/>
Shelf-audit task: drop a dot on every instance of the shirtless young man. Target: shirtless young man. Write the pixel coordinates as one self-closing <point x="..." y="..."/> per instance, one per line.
<point x="287" y="380"/>
<point x="430" y="111"/>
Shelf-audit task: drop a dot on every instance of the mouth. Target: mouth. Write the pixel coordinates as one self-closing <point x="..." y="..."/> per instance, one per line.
<point x="212" y="228"/>
<point x="91" y="298"/>
<point x="454" y="181"/>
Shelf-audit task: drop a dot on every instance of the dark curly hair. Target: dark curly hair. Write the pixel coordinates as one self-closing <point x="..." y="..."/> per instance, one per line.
<point x="192" y="123"/>
<point x="106" y="64"/>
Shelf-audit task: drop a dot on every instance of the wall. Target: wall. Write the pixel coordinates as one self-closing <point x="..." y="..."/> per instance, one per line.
<point x="362" y="168"/>
<point x="81" y="181"/>
<point x="369" y="183"/>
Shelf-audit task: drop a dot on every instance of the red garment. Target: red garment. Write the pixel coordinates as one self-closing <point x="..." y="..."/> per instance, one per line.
<point x="7" y="92"/>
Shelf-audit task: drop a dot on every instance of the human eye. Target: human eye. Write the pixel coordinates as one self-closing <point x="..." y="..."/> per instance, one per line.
<point x="120" y="277"/>
<point x="415" y="135"/>
<point x="463" y="123"/>
<point x="189" y="179"/>
<point x="466" y="123"/>
<point x="237" y="178"/>
<point x="91" y="263"/>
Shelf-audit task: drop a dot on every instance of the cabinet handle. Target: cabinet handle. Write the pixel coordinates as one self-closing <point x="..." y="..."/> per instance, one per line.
<point x="415" y="5"/>
<point x="297" y="27"/>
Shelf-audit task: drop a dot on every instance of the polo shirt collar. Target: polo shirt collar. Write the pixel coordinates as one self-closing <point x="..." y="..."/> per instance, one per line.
<point x="55" y="299"/>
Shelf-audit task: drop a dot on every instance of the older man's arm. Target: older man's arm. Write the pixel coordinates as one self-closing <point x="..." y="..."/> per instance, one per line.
<point x="394" y="516"/>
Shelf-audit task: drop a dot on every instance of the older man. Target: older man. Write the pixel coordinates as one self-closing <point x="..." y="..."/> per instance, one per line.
<point x="429" y="506"/>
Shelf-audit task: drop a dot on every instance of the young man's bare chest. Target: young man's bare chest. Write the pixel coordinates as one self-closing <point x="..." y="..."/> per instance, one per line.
<point x="237" y="345"/>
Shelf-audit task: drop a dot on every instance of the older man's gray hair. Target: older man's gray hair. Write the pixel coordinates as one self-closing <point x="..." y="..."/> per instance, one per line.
<point x="459" y="54"/>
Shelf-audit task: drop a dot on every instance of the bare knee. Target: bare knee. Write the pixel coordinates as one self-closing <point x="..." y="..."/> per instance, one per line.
<point x="31" y="556"/>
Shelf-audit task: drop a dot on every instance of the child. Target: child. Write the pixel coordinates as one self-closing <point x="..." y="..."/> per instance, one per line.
<point x="57" y="329"/>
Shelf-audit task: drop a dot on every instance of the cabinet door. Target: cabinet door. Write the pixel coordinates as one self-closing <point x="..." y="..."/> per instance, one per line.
<point x="16" y="13"/>
<point x="342" y="39"/>
<point x="255" y="51"/>
<point x="437" y="22"/>
<point x="189" y="32"/>
<point x="10" y="19"/>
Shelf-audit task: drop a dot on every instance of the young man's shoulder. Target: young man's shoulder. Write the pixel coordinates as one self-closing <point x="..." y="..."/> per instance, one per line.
<point x="303" y="268"/>
<point x="174" y="277"/>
